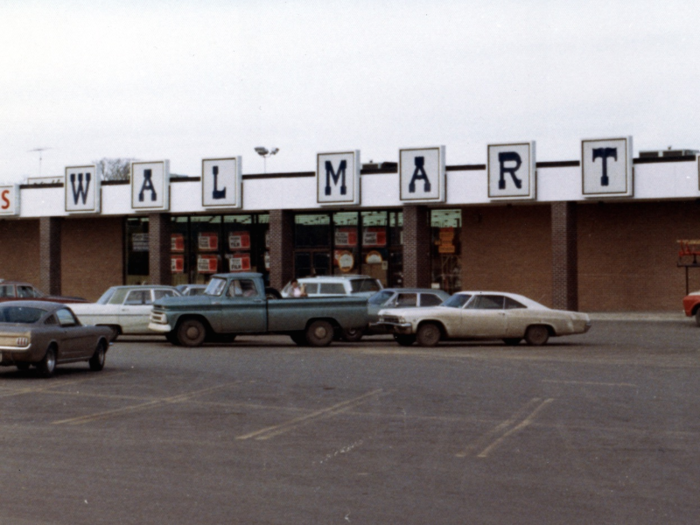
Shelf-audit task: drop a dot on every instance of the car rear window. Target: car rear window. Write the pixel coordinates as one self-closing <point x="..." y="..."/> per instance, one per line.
<point x="430" y="299"/>
<point x="20" y="314"/>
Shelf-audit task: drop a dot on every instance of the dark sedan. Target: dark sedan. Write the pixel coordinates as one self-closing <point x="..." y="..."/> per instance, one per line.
<point x="45" y="334"/>
<point x="21" y="291"/>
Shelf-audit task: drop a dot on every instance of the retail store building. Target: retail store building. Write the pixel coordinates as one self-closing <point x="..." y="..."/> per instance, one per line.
<point x="596" y="234"/>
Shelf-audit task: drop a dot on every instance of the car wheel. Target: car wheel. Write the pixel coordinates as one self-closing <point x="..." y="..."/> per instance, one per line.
<point x="319" y="333"/>
<point x="428" y="334"/>
<point x="47" y="366"/>
<point x="353" y="335"/>
<point x="537" y="335"/>
<point x="405" y="339"/>
<point x="171" y="337"/>
<point x="299" y="338"/>
<point x="191" y="332"/>
<point x="23" y="366"/>
<point x="97" y="361"/>
<point x="512" y="341"/>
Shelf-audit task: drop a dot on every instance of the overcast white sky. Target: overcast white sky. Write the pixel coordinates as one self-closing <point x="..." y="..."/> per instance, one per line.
<point x="186" y="80"/>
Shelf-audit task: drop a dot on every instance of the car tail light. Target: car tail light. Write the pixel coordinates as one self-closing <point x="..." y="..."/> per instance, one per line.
<point x="22" y="341"/>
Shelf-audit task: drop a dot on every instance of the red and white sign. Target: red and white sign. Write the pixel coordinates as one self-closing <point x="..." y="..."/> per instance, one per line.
<point x="239" y="241"/>
<point x="177" y="263"/>
<point x="177" y="242"/>
<point x="207" y="264"/>
<point x="374" y="237"/>
<point x="346" y="237"/>
<point x="9" y="200"/>
<point x="239" y="262"/>
<point x="345" y="260"/>
<point x="208" y="242"/>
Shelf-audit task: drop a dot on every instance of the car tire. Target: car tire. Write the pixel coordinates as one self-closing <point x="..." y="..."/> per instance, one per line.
<point x="405" y="339"/>
<point x="537" y="335"/>
<point x="428" y="334"/>
<point x="319" y="333"/>
<point x="22" y="367"/>
<point x="191" y="332"/>
<point x="512" y="341"/>
<point x="171" y="337"/>
<point x="97" y="361"/>
<point x="299" y="338"/>
<point x="353" y="335"/>
<point x="47" y="366"/>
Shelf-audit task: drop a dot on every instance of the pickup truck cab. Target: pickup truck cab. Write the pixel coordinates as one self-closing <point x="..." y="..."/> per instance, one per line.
<point x="236" y="303"/>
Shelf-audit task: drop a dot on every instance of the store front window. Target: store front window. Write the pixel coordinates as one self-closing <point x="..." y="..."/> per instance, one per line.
<point x="136" y="266"/>
<point x="446" y="226"/>
<point x="368" y="242"/>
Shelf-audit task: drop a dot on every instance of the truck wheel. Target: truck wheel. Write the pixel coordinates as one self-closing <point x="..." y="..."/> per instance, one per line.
<point x="171" y="337"/>
<point x="405" y="339"/>
<point x="428" y="334"/>
<point x="299" y="338"/>
<point x="537" y="335"/>
<point x="191" y="332"/>
<point x="353" y="335"/>
<point x="319" y="333"/>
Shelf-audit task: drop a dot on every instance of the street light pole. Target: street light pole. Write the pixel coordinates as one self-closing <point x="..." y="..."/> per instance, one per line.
<point x="264" y="153"/>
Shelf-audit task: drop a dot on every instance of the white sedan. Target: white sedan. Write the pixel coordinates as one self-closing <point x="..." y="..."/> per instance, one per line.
<point x="483" y="315"/>
<point x="124" y="309"/>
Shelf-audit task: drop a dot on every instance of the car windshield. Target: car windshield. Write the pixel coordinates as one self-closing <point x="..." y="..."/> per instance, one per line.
<point x="380" y="297"/>
<point x="458" y="300"/>
<point x="20" y="314"/>
<point x="106" y="296"/>
<point x="215" y="286"/>
<point x="365" y="285"/>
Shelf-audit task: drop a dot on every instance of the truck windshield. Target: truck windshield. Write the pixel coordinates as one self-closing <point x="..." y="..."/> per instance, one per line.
<point x="365" y="285"/>
<point x="215" y="286"/>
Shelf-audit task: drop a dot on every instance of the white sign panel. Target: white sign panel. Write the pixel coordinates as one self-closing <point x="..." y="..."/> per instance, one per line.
<point x="606" y="167"/>
<point x="422" y="174"/>
<point x="9" y="200"/>
<point x="221" y="183"/>
<point x="150" y="185"/>
<point x="82" y="189"/>
<point x="338" y="178"/>
<point x="511" y="171"/>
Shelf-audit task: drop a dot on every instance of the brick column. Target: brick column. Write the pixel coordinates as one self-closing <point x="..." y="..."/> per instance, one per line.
<point x="50" y="255"/>
<point x="281" y="248"/>
<point x="416" y="247"/>
<point x="564" y="256"/>
<point x="159" y="248"/>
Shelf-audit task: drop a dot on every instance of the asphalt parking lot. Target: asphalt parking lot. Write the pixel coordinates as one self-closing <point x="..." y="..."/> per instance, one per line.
<point x="598" y="428"/>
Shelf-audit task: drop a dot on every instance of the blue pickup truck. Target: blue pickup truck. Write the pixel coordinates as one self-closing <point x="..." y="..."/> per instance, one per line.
<point x="237" y="303"/>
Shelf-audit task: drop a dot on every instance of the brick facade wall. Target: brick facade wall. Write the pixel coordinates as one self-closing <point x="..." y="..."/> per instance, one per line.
<point x="92" y="255"/>
<point x="416" y="247"/>
<point x="565" y="255"/>
<point x="19" y="256"/>
<point x="50" y="255"/>
<point x="508" y="248"/>
<point x="628" y="252"/>
<point x="281" y="239"/>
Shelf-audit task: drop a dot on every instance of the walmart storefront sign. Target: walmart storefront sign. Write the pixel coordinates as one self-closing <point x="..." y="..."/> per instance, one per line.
<point x="511" y="171"/>
<point x="338" y="178"/>
<point x="221" y="183"/>
<point x="82" y="189"/>
<point x="150" y="185"/>
<point x="9" y="200"/>
<point x="422" y="174"/>
<point x="606" y="168"/>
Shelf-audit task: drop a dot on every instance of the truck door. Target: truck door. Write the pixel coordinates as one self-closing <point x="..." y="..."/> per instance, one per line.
<point x="243" y="308"/>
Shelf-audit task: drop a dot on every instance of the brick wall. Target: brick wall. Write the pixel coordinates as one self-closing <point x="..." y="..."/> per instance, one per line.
<point x="628" y="253"/>
<point x="281" y="239"/>
<point x="92" y="257"/>
<point x="19" y="256"/>
<point x="508" y="248"/>
<point x="416" y="247"/>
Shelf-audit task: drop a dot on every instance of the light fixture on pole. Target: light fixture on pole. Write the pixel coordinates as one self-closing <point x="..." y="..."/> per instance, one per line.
<point x="264" y="153"/>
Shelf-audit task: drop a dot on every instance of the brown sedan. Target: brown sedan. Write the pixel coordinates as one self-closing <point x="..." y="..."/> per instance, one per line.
<point x="21" y="291"/>
<point x="45" y="334"/>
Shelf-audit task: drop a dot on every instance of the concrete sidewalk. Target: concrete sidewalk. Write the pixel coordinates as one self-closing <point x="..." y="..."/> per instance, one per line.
<point x="640" y="316"/>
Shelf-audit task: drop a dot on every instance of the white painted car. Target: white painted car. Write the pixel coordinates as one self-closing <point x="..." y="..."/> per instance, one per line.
<point x="125" y="309"/>
<point x="337" y="285"/>
<point x="482" y="315"/>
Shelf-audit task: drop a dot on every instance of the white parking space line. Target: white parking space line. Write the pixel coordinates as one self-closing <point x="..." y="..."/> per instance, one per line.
<point x="592" y="383"/>
<point x="275" y="430"/>
<point x="492" y="439"/>
<point x="142" y="406"/>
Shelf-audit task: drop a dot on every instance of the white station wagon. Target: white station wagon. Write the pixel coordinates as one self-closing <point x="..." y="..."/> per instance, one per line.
<point x="124" y="309"/>
<point x="482" y="315"/>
